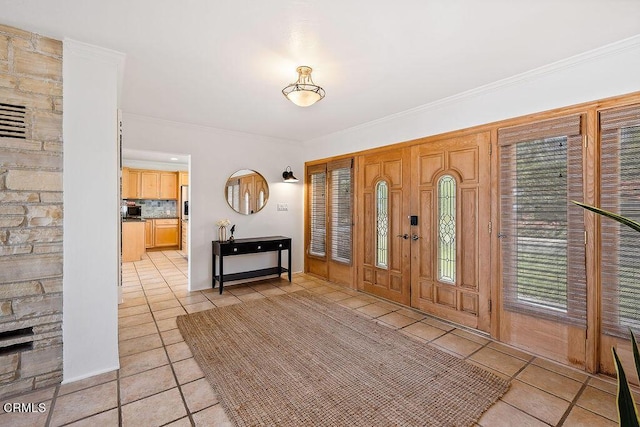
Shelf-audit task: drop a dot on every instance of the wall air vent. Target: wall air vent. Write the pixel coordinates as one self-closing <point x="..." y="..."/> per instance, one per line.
<point x="12" y="121"/>
<point x="16" y="340"/>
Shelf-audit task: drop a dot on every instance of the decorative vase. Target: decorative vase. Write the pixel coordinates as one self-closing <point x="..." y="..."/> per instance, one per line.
<point x="222" y="233"/>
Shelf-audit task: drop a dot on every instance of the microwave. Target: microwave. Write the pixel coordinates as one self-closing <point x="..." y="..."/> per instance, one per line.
<point x="134" y="211"/>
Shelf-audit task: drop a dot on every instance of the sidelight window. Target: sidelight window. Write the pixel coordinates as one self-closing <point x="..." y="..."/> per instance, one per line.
<point x="318" y="208"/>
<point x="542" y="232"/>
<point x="447" y="229"/>
<point x="382" y="224"/>
<point x="620" y="189"/>
<point x="341" y="216"/>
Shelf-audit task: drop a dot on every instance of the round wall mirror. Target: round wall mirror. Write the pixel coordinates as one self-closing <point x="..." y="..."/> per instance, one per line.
<point x="246" y="191"/>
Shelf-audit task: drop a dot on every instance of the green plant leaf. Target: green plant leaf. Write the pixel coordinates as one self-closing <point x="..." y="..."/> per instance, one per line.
<point x="627" y="414"/>
<point x="636" y="355"/>
<point x="621" y="219"/>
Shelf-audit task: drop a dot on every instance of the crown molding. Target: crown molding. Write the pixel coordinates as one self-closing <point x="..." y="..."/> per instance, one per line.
<point x="204" y="128"/>
<point x="563" y="64"/>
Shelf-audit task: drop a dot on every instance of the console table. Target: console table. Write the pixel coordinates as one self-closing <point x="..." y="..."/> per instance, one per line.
<point x="249" y="246"/>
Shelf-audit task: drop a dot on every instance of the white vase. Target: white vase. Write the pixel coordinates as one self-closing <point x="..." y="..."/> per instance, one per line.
<point x="222" y="233"/>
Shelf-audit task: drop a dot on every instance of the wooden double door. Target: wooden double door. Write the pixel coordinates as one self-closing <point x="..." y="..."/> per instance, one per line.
<point x="425" y="227"/>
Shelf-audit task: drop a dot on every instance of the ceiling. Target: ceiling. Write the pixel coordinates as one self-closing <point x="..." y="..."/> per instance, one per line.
<point x="223" y="63"/>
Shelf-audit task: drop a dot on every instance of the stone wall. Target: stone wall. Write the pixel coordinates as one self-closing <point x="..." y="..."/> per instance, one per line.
<point x="30" y="212"/>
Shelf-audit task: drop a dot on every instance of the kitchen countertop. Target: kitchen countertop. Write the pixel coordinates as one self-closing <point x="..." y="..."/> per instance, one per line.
<point x="161" y="217"/>
<point x="126" y="219"/>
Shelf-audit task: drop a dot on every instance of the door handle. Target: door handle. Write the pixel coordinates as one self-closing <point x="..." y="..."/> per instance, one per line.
<point x="405" y="236"/>
<point x="415" y="237"/>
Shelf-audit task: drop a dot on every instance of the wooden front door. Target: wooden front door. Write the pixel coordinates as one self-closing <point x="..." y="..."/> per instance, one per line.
<point x="450" y="246"/>
<point x="383" y="200"/>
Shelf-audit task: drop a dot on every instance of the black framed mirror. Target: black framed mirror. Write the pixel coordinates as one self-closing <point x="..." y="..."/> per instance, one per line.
<point x="246" y="191"/>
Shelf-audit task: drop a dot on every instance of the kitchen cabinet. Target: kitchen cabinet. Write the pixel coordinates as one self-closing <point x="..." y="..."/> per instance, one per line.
<point x="184" y="246"/>
<point x="183" y="178"/>
<point x="148" y="233"/>
<point x="165" y="233"/>
<point x="168" y="186"/>
<point x="125" y="183"/>
<point x="162" y="233"/>
<point x="130" y="183"/>
<point x="150" y="185"/>
<point x="133" y="240"/>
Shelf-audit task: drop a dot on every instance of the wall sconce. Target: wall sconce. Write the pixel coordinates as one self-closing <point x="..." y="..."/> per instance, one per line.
<point x="287" y="175"/>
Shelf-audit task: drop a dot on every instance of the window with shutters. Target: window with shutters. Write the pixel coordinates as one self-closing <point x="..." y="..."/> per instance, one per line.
<point x="542" y="232"/>
<point x="341" y="211"/>
<point x="620" y="193"/>
<point x="318" y="213"/>
<point x="382" y="224"/>
<point x="447" y="229"/>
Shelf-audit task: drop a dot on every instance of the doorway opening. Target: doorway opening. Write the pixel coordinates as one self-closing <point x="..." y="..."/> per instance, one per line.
<point x="155" y="199"/>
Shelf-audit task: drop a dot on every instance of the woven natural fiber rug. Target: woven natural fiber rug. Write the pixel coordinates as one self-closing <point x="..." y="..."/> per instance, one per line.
<point x="299" y="360"/>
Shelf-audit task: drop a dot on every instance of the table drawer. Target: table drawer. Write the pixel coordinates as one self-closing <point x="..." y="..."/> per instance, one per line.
<point x="253" y="247"/>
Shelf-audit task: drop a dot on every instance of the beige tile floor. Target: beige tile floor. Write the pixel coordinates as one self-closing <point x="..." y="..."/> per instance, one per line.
<point x="159" y="383"/>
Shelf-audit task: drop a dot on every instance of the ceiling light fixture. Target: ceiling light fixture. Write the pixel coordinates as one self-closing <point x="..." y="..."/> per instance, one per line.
<point x="304" y="92"/>
<point x="287" y="175"/>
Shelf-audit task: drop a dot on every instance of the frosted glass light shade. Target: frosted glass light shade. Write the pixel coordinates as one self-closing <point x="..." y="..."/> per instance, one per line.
<point x="304" y="98"/>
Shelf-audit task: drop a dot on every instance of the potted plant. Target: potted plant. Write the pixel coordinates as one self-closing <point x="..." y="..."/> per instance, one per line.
<point x="627" y="410"/>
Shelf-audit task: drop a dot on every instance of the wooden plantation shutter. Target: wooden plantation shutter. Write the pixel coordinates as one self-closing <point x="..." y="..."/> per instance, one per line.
<point x="542" y="232"/>
<point x="340" y="208"/>
<point x="318" y="209"/>
<point x="620" y="193"/>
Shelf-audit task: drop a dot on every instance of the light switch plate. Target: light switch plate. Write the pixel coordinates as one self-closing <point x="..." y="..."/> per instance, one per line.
<point x="282" y="207"/>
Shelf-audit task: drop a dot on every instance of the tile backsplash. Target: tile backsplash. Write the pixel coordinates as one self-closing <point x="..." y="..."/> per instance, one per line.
<point x="158" y="208"/>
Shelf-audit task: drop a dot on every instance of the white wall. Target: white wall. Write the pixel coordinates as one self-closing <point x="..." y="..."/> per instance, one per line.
<point x="601" y="73"/>
<point x="215" y="155"/>
<point x="91" y="214"/>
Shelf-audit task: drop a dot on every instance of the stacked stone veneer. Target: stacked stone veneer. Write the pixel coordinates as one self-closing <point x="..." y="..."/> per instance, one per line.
<point x="31" y="215"/>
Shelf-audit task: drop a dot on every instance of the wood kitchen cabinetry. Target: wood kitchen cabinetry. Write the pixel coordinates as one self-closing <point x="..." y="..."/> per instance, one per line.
<point x="148" y="233"/>
<point x="165" y="233"/>
<point x="149" y="184"/>
<point x="130" y="183"/>
<point x="162" y="233"/>
<point x="183" y="178"/>
<point x="133" y="237"/>
<point x="184" y="246"/>
<point x="168" y="185"/>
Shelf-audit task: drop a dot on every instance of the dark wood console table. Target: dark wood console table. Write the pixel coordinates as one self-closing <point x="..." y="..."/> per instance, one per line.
<point x="249" y="246"/>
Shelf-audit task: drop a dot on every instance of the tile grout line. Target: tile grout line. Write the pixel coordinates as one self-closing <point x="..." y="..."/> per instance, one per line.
<point x="53" y="403"/>
<point x="574" y="402"/>
<point x="119" y="396"/>
<point x="173" y="371"/>
<point x="164" y="347"/>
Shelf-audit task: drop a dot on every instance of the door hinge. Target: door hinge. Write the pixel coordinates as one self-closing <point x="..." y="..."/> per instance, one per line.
<point x="490" y="227"/>
<point x="585" y="238"/>
<point x="490" y="306"/>
<point x="490" y="149"/>
<point x="586" y="140"/>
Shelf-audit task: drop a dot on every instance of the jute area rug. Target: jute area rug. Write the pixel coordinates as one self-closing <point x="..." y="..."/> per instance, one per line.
<point x="299" y="360"/>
